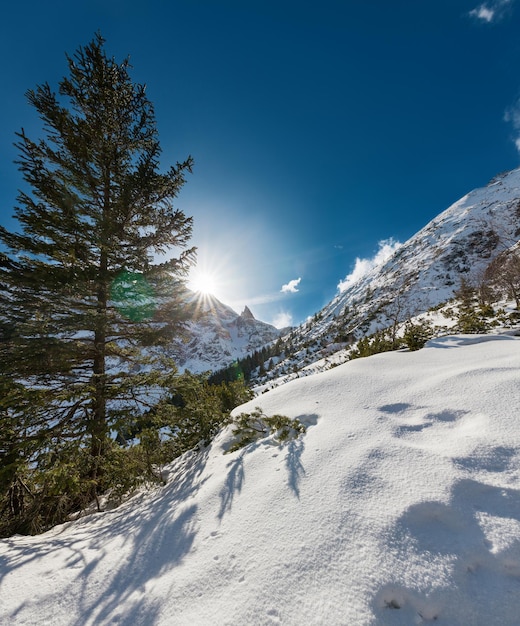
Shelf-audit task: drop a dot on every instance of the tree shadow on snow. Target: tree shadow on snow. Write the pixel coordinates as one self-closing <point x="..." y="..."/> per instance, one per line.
<point x="294" y="465"/>
<point x="234" y="481"/>
<point x="236" y="474"/>
<point x="161" y="531"/>
<point x="295" y="449"/>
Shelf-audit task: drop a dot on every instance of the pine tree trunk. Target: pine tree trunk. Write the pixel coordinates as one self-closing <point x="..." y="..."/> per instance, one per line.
<point x="98" y="425"/>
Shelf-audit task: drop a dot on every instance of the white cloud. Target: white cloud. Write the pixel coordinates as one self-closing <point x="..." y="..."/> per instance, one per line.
<point x="483" y="13"/>
<point x="491" y="11"/>
<point x="291" y="286"/>
<point x="363" y="266"/>
<point x="282" y="320"/>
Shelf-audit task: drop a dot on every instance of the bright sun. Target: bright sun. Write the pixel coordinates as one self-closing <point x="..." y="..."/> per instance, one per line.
<point x="202" y="282"/>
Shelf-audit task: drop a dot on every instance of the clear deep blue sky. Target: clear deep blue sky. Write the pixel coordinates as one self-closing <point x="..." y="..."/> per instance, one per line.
<point x="318" y="129"/>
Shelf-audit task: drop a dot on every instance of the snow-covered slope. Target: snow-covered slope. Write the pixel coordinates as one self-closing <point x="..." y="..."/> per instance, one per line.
<point x="399" y="506"/>
<point x="427" y="269"/>
<point x="218" y="335"/>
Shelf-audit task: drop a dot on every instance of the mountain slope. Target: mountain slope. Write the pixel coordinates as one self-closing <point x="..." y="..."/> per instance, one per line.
<point x="218" y="335"/>
<point x="422" y="273"/>
<point x="427" y="269"/>
<point x="399" y="506"/>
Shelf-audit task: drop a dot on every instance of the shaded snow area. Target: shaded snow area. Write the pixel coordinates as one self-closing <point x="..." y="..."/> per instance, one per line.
<point x="400" y="505"/>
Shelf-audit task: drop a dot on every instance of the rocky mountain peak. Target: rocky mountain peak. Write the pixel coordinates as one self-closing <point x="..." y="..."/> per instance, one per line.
<point x="246" y="314"/>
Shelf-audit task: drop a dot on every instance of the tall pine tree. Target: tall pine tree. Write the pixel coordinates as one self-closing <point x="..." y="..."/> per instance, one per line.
<point x="84" y="301"/>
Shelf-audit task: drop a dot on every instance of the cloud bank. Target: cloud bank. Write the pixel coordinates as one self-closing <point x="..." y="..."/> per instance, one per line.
<point x="291" y="286"/>
<point x="363" y="266"/>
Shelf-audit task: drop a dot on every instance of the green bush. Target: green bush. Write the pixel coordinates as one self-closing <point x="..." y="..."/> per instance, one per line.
<point x="374" y="344"/>
<point x="472" y="318"/>
<point x="249" y="427"/>
<point x="417" y="334"/>
<point x="472" y="322"/>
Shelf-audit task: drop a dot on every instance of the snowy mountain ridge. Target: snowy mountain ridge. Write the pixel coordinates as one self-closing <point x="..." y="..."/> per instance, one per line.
<point x="427" y="269"/>
<point x="420" y="274"/>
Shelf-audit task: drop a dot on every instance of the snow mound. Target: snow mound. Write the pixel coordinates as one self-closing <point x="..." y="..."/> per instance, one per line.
<point x="400" y="505"/>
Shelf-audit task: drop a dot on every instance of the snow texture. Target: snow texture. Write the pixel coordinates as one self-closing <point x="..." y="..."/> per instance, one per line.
<point x="399" y="505"/>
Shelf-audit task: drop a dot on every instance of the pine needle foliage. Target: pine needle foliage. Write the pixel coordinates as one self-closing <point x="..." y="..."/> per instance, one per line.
<point x="380" y="341"/>
<point x="417" y="334"/>
<point x="249" y="427"/>
<point x="84" y="302"/>
<point x="197" y="411"/>
<point x="472" y="317"/>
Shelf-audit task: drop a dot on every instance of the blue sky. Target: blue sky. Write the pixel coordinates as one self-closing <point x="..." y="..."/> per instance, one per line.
<point x="318" y="130"/>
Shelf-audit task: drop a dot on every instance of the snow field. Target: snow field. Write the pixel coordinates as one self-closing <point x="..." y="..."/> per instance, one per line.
<point x="400" y="505"/>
